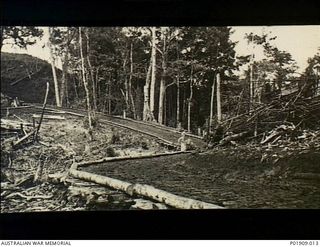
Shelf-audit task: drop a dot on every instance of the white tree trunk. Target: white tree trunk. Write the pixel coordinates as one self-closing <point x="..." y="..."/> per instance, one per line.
<point x="161" y="101"/>
<point x="219" y="115"/>
<point x="178" y="101"/>
<point x="162" y="82"/>
<point x="126" y="87"/>
<point x="63" y="88"/>
<point x="190" y="100"/>
<point x="251" y="86"/>
<point x="94" y="93"/>
<point x="146" y="95"/>
<point x="130" y="83"/>
<point x="212" y="104"/>
<point x="153" y="72"/>
<point x="55" y="81"/>
<point x="85" y="79"/>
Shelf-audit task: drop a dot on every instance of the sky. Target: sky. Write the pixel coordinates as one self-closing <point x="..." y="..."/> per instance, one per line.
<point x="302" y="42"/>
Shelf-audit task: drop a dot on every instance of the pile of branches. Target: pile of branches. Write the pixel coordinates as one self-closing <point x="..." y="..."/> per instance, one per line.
<point x="290" y="117"/>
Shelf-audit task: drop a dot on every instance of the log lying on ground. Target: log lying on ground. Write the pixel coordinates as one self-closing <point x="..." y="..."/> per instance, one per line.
<point x="28" y="198"/>
<point x="51" y="117"/>
<point x="111" y="182"/>
<point x="145" y="191"/>
<point x="23" y="138"/>
<point x="19" y="107"/>
<point x="232" y="138"/>
<point x="110" y="159"/>
<point x="13" y="124"/>
<point x="169" y="198"/>
<point x="276" y="133"/>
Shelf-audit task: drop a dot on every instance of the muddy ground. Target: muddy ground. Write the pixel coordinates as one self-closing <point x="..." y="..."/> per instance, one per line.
<point x="224" y="179"/>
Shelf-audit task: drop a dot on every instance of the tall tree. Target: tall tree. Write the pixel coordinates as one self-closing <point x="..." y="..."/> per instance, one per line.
<point x="163" y="74"/>
<point x="90" y="70"/>
<point x="153" y="70"/>
<point x="219" y="114"/>
<point x="85" y="83"/>
<point x="53" y="67"/>
<point x="61" y="38"/>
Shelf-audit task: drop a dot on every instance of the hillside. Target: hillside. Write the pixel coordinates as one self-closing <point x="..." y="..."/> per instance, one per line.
<point x="25" y="76"/>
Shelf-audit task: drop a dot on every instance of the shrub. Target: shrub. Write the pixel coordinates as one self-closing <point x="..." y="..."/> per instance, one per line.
<point x="111" y="152"/>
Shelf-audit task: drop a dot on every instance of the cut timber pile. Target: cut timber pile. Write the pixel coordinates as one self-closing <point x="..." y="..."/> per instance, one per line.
<point x="283" y="118"/>
<point x="285" y="128"/>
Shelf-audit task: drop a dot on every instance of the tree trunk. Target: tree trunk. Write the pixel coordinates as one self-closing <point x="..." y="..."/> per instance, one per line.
<point x="190" y="100"/>
<point x="161" y="101"/>
<point x="219" y="115"/>
<point x="94" y="93"/>
<point x="64" y="77"/>
<point x="109" y="97"/>
<point x="98" y="87"/>
<point x="251" y="87"/>
<point x="212" y="103"/>
<point x="153" y="72"/>
<point x="75" y="88"/>
<point x="178" y="102"/>
<point x="162" y="81"/>
<point x="55" y="81"/>
<point x="126" y="86"/>
<point x="146" y="95"/>
<point x="85" y="83"/>
<point x="130" y="83"/>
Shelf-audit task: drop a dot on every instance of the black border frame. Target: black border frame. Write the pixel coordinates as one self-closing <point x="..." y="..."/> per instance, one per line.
<point x="171" y="224"/>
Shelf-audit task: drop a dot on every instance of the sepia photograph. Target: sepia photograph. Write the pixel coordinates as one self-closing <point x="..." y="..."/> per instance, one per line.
<point x="111" y="118"/>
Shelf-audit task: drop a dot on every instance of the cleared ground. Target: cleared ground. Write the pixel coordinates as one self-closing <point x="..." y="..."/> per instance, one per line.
<point x="222" y="180"/>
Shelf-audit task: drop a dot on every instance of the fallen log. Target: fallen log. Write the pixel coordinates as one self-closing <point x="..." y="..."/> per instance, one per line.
<point x="13" y="124"/>
<point x="51" y="117"/>
<point x="234" y="137"/>
<point x="170" y="199"/>
<point x="23" y="121"/>
<point x="111" y="182"/>
<point x="270" y="137"/>
<point x="19" y="107"/>
<point x="28" y="198"/>
<point x="23" y="138"/>
<point x="110" y="159"/>
<point x="145" y="191"/>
